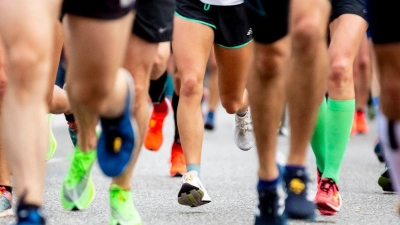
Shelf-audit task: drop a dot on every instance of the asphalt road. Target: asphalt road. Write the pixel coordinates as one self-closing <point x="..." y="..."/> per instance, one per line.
<point x="229" y="176"/>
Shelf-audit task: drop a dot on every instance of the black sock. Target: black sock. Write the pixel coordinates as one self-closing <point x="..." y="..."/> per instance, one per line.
<point x="157" y="88"/>
<point x="175" y="101"/>
<point x="70" y="117"/>
<point x="8" y="188"/>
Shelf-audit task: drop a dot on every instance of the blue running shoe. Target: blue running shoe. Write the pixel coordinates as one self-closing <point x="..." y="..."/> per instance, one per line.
<point x="29" y="216"/>
<point x="117" y="139"/>
<point x="299" y="202"/>
<point x="271" y="207"/>
<point x="379" y="151"/>
<point x="209" y="125"/>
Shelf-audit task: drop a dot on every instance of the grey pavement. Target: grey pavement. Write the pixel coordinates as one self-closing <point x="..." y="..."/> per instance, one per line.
<point x="229" y="176"/>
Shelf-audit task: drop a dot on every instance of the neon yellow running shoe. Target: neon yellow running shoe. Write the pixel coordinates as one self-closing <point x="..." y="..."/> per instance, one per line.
<point x="123" y="212"/>
<point x="77" y="191"/>
<point x="53" y="141"/>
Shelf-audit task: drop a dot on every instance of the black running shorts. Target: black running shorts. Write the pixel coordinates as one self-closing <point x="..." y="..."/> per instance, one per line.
<point x="230" y="23"/>
<point x="98" y="9"/>
<point x="383" y="17"/>
<point x="268" y="19"/>
<point x="154" y="20"/>
<point x="340" y="7"/>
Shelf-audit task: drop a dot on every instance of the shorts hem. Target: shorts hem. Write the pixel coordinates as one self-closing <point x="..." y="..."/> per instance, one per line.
<point x="237" y="46"/>
<point x="196" y="21"/>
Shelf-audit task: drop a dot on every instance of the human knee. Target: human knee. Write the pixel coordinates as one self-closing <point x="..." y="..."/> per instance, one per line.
<point x="309" y="28"/>
<point x="269" y="63"/>
<point x="339" y="71"/>
<point x="87" y="95"/>
<point x="160" y="65"/>
<point x="191" y="86"/>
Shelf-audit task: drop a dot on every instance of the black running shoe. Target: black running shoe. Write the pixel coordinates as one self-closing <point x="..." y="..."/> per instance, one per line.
<point x="385" y="182"/>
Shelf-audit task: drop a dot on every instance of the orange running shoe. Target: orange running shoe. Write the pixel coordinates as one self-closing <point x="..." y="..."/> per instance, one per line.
<point x="178" y="164"/>
<point x="328" y="198"/>
<point x="362" y="125"/>
<point x="154" y="136"/>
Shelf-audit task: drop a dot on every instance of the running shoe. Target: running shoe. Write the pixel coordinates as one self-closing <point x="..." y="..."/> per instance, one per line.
<point x="53" y="141"/>
<point x="178" y="164"/>
<point x="77" y="191"/>
<point x="73" y="132"/>
<point x="299" y="202"/>
<point x="154" y="136"/>
<point x="5" y="203"/>
<point x="271" y="207"/>
<point x="117" y="139"/>
<point x="28" y="215"/>
<point x="379" y="151"/>
<point x="192" y="192"/>
<point x="123" y="212"/>
<point x="361" y="120"/>
<point x="328" y="198"/>
<point x="243" y="132"/>
<point x="385" y="182"/>
<point x="209" y="125"/>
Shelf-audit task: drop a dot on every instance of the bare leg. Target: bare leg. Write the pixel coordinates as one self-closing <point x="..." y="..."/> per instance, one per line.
<point x="362" y="74"/>
<point x="25" y="104"/>
<point x="139" y="59"/>
<point x="310" y="59"/>
<point x="213" y="83"/>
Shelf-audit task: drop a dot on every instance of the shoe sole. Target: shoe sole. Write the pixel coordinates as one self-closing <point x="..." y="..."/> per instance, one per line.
<point x="192" y="196"/>
<point x="208" y="127"/>
<point x="103" y="156"/>
<point x="7" y="213"/>
<point x="327" y="209"/>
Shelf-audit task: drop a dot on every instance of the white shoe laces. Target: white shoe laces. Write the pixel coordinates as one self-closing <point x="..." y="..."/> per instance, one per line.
<point x="244" y="123"/>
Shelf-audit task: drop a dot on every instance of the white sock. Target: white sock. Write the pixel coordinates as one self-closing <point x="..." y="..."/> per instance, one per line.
<point x="389" y="134"/>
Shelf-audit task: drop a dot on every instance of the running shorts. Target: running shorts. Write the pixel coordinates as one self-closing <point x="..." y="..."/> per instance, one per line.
<point x="269" y="20"/>
<point x="98" y="9"/>
<point x="340" y="7"/>
<point x="154" y="20"/>
<point x="230" y="23"/>
<point x="382" y="16"/>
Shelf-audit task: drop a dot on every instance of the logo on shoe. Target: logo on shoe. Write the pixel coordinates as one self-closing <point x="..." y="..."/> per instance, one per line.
<point x="296" y="186"/>
<point x="117" y="144"/>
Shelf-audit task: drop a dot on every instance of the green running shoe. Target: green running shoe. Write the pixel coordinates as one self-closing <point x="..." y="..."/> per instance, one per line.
<point x="123" y="211"/>
<point x="53" y="141"/>
<point x="77" y="191"/>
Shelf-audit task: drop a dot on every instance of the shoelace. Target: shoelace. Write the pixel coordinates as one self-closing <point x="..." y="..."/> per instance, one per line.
<point x="244" y="123"/>
<point x="327" y="185"/>
<point x="73" y="126"/>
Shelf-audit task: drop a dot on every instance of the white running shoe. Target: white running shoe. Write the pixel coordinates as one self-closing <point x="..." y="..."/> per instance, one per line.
<point x="192" y="192"/>
<point x="243" y="132"/>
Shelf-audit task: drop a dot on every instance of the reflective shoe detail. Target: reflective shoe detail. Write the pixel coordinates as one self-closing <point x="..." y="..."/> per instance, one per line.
<point x="73" y="132"/>
<point x="178" y="164"/>
<point x="5" y="203"/>
<point x="243" y="132"/>
<point x="117" y="139"/>
<point x="123" y="211"/>
<point x="77" y="191"/>
<point x="328" y="199"/>
<point x="361" y="120"/>
<point x="27" y="215"/>
<point x="53" y="141"/>
<point x="299" y="202"/>
<point x="271" y="207"/>
<point x="192" y="192"/>
<point x="154" y="135"/>
<point x="385" y="182"/>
